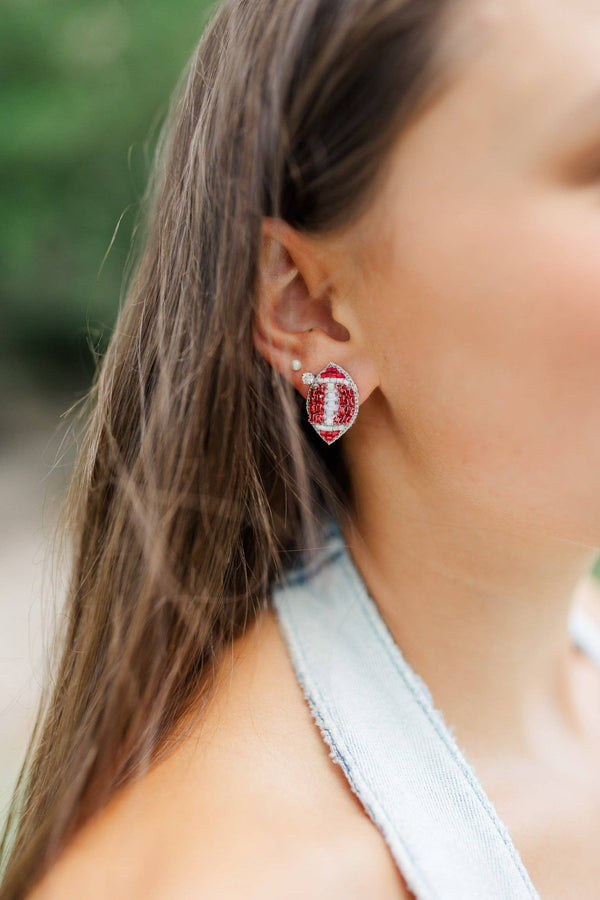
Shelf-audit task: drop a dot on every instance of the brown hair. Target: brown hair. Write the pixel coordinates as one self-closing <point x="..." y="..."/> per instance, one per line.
<point x="198" y="478"/>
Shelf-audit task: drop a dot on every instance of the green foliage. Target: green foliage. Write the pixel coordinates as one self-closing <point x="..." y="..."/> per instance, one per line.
<point x="85" y="88"/>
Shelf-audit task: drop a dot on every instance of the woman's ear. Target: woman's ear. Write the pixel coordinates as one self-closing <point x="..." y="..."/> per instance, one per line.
<point x="293" y="313"/>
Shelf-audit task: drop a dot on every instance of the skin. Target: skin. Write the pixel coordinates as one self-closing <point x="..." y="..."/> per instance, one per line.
<point x="466" y="306"/>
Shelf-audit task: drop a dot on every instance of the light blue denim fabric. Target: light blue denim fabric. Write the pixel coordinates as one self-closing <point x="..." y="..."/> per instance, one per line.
<point x="399" y="756"/>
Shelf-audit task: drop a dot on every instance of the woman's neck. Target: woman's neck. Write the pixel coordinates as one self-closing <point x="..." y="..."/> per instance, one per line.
<point x="479" y="609"/>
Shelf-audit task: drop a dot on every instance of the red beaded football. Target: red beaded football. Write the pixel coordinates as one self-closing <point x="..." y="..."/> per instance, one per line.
<point x="332" y="401"/>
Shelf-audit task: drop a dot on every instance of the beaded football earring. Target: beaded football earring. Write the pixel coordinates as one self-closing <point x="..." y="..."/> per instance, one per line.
<point x="332" y="400"/>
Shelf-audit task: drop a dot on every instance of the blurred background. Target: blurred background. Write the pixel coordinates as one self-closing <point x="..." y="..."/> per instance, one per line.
<point x="85" y="87"/>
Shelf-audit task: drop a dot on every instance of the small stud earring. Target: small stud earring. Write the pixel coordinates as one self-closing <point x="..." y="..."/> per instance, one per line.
<point x="296" y="364"/>
<point x="332" y="401"/>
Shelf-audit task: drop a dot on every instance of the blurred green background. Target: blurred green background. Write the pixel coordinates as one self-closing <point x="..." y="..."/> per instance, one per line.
<point x="85" y="87"/>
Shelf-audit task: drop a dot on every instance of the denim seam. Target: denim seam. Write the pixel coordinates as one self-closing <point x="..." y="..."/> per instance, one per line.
<point x="434" y="717"/>
<point x="339" y="746"/>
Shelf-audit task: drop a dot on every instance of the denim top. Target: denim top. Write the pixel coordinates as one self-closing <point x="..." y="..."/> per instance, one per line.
<point x="399" y="756"/>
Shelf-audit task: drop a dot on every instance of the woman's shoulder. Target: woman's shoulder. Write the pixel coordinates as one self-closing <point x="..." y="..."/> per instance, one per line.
<point x="248" y="804"/>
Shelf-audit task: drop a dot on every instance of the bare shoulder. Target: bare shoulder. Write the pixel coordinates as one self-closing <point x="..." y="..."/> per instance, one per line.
<point x="249" y="804"/>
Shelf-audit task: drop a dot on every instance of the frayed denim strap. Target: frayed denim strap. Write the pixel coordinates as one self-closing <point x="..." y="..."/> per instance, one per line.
<point x="400" y="758"/>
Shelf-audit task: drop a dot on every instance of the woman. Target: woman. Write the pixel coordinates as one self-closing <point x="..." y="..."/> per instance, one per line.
<point x="332" y="629"/>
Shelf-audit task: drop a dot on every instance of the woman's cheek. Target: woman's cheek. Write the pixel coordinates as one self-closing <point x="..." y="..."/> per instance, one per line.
<point x="497" y="369"/>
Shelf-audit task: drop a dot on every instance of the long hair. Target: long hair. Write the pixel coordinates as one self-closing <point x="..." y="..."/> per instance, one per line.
<point x="198" y="479"/>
